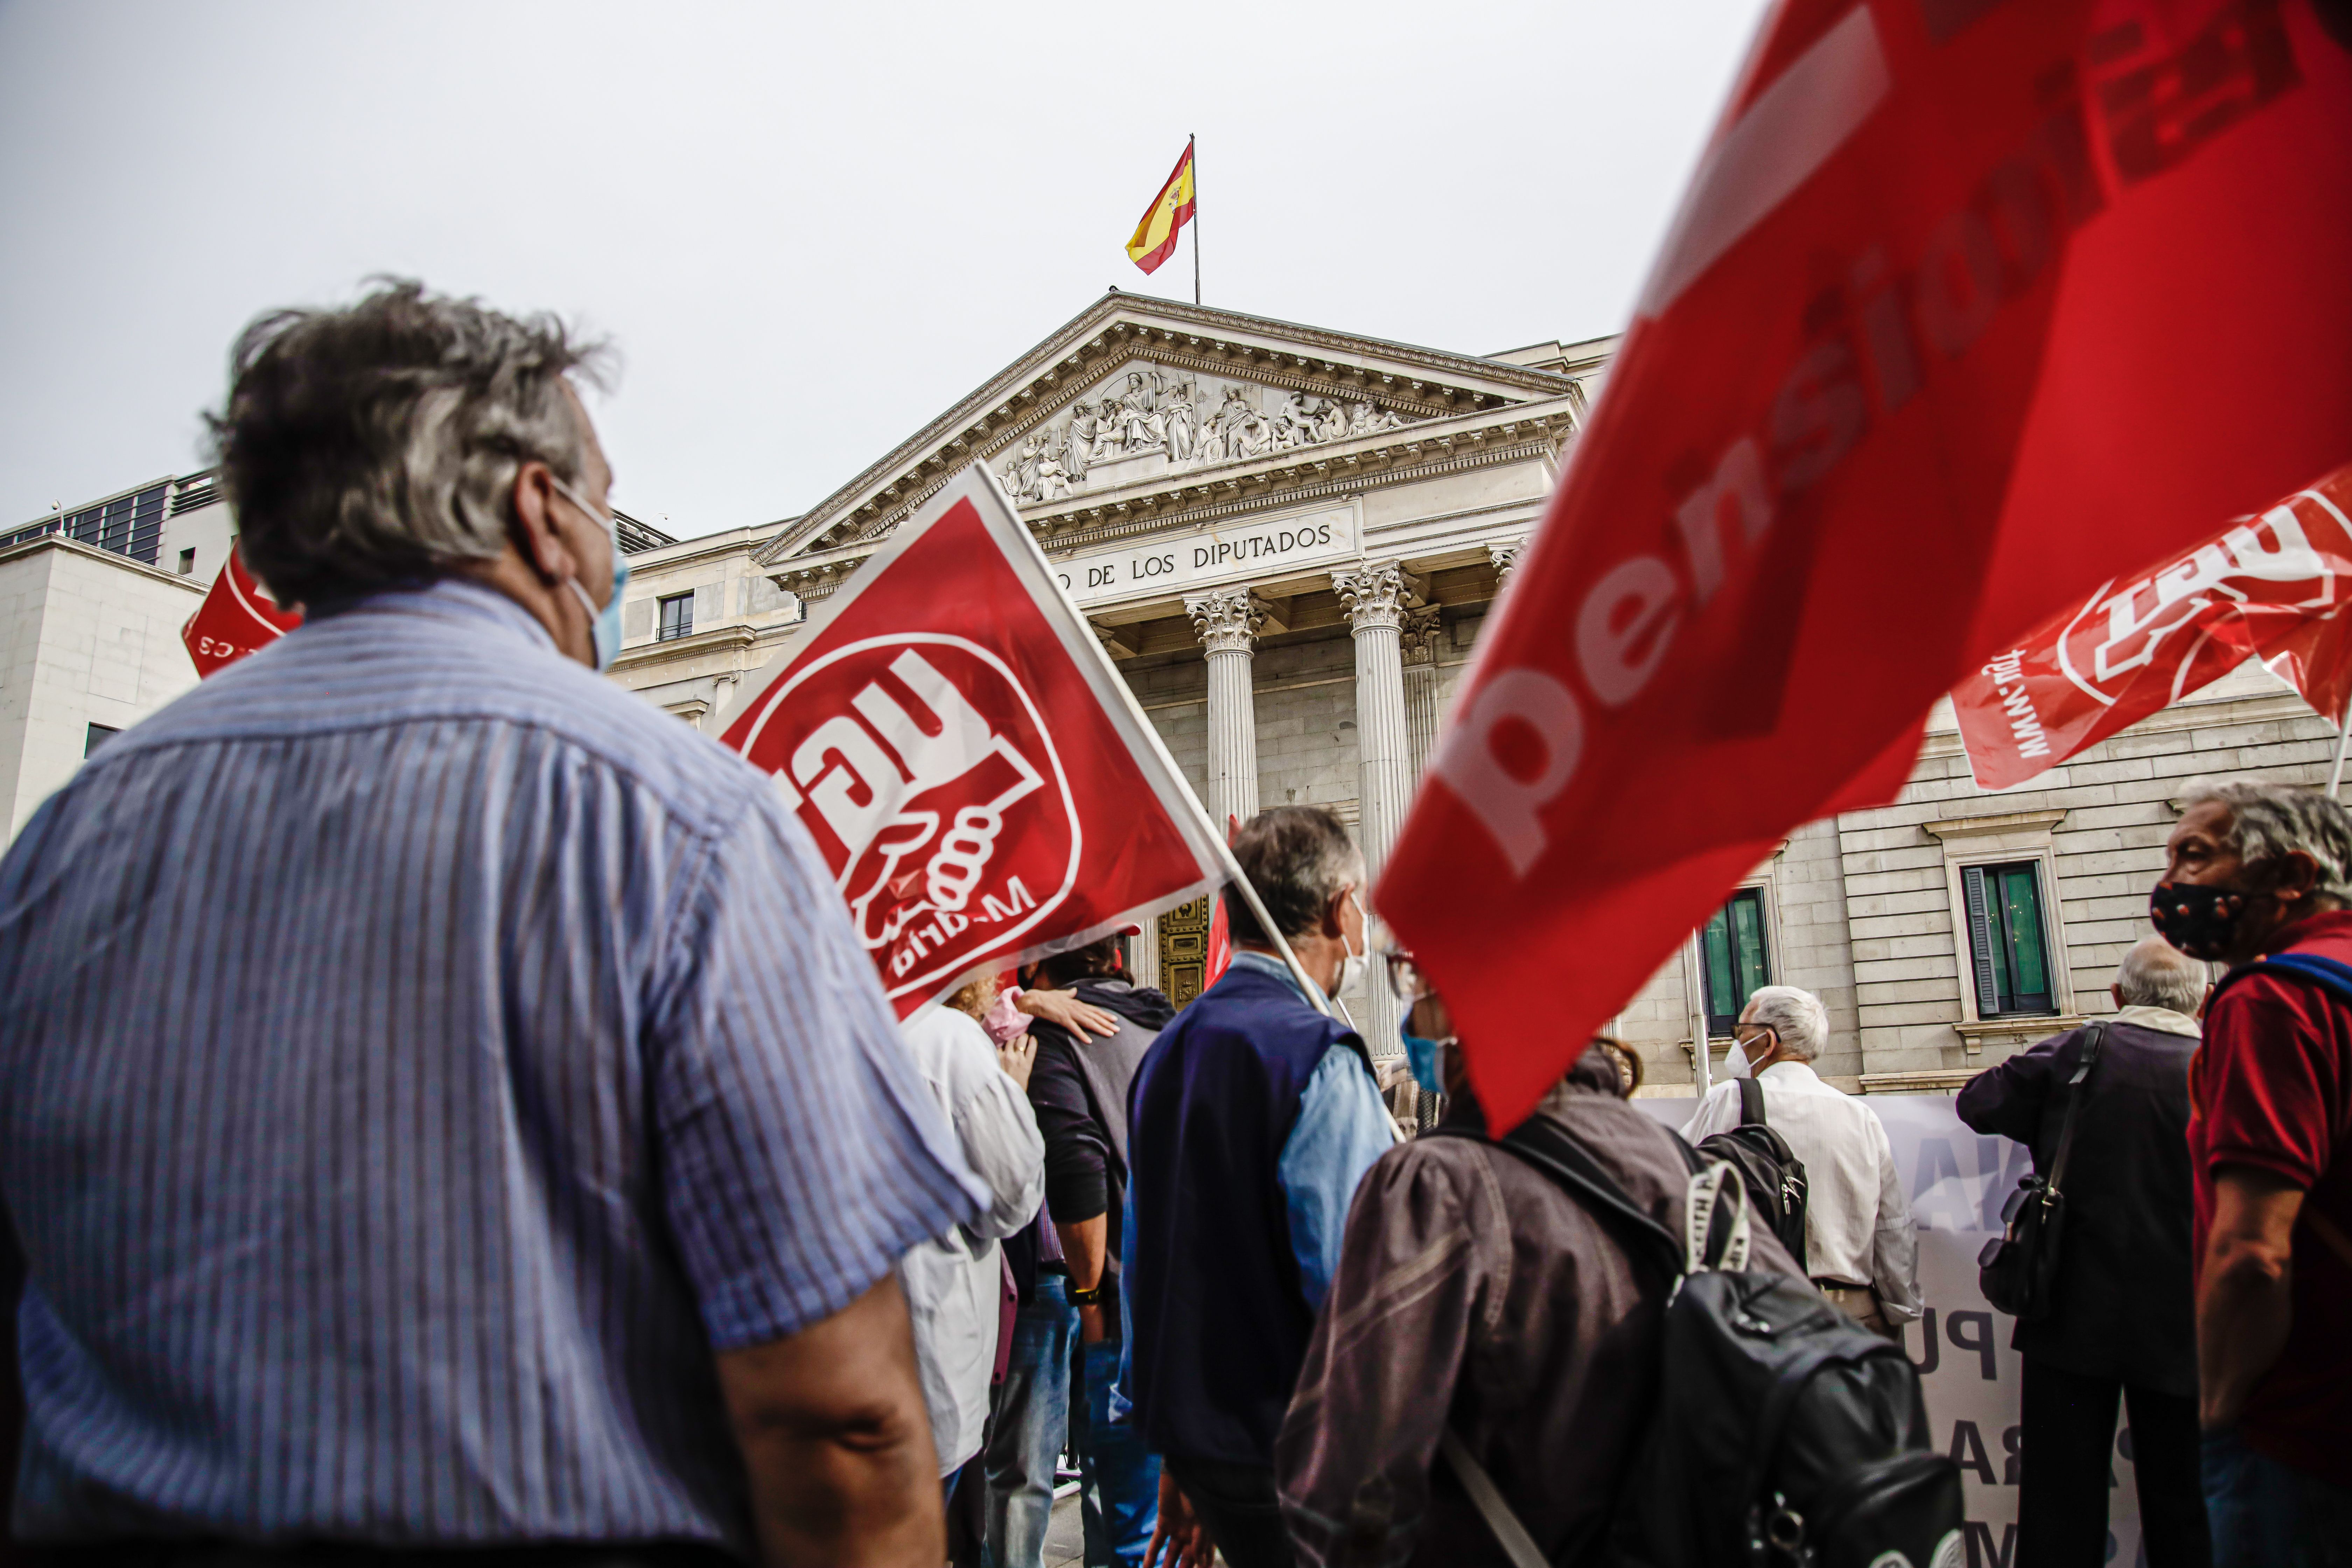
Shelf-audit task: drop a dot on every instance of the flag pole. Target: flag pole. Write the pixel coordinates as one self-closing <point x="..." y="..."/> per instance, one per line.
<point x="2343" y="744"/>
<point x="1192" y="156"/>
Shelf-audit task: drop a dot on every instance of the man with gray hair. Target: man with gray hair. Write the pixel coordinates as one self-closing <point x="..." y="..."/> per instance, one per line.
<point x="2259" y="877"/>
<point x="1861" y="1247"/>
<point x="2121" y="1326"/>
<point x="1251" y="1121"/>
<point x="442" y="1100"/>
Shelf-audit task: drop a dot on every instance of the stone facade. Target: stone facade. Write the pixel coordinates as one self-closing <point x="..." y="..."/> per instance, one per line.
<point x="90" y="644"/>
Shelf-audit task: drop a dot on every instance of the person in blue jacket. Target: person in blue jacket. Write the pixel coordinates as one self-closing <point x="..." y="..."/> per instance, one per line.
<point x="1251" y="1121"/>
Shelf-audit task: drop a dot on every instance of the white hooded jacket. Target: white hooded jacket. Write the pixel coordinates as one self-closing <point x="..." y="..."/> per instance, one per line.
<point x="951" y="1281"/>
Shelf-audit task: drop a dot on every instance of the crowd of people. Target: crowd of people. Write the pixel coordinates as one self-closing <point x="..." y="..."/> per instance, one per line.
<point x="446" y="1116"/>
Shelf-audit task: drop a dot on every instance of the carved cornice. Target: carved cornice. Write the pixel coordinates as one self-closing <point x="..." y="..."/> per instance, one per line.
<point x="1226" y="620"/>
<point x="1099" y="340"/>
<point x="1376" y="594"/>
<point x="1404" y="458"/>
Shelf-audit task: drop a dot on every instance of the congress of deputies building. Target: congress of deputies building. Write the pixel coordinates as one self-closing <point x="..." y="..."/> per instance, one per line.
<point x="1288" y="539"/>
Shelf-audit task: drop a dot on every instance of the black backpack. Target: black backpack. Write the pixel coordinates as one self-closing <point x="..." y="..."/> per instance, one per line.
<point x="1781" y="1435"/>
<point x="1768" y="1169"/>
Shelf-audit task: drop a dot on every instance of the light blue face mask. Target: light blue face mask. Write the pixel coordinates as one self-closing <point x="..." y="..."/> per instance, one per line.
<point x="605" y="622"/>
<point x="1422" y="1056"/>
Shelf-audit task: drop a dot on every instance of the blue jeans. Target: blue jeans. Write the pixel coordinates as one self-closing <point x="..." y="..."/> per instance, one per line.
<point x="2264" y="1513"/>
<point x="1120" y="1498"/>
<point x="1029" y="1422"/>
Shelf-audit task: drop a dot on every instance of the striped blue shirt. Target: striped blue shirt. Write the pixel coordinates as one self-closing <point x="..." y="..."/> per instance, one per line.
<point x="418" y="1056"/>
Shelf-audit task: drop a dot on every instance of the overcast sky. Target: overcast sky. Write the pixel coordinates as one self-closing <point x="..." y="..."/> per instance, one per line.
<point x="808" y="229"/>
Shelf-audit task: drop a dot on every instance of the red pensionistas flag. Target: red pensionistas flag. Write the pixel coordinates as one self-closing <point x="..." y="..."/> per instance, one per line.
<point x="2272" y="587"/>
<point x="971" y="766"/>
<point x="1970" y="303"/>
<point x="237" y="618"/>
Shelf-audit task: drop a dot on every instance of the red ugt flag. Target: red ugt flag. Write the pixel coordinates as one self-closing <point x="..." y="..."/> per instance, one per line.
<point x="975" y="772"/>
<point x="1970" y="303"/>
<point x="237" y="618"/>
<point x="2273" y="587"/>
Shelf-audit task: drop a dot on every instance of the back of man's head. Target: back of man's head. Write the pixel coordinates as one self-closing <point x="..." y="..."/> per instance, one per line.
<point x="1091" y="961"/>
<point x="2155" y="974"/>
<point x="1797" y="1019"/>
<point x="1298" y="858"/>
<point x="376" y="446"/>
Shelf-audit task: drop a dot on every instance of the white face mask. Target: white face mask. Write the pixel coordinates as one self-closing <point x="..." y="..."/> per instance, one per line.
<point x="1737" y="1065"/>
<point x="1351" y="968"/>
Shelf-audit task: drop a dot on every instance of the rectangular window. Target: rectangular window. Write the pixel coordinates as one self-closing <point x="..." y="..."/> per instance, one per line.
<point x="97" y="735"/>
<point x="676" y="617"/>
<point x="2007" y="944"/>
<point x="187" y="562"/>
<point x="1733" y="960"/>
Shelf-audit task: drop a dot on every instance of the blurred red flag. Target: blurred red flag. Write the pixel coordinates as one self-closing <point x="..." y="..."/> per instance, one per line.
<point x="969" y="763"/>
<point x="1970" y="303"/>
<point x="237" y="618"/>
<point x="2272" y="587"/>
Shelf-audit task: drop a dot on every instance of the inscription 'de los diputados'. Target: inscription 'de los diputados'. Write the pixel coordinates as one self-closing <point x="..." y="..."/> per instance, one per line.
<point x="1209" y="557"/>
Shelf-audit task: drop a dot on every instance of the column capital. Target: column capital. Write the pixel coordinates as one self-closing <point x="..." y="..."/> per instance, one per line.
<point x="1226" y="620"/>
<point x="1420" y="634"/>
<point x="1506" y="557"/>
<point x="1377" y="594"/>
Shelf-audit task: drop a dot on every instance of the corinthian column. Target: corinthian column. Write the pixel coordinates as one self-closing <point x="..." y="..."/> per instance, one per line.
<point x="1378" y="597"/>
<point x="1419" y="644"/>
<point x="1227" y="621"/>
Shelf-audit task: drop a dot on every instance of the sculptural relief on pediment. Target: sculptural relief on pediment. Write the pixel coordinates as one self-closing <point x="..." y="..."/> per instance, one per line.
<point x="1146" y="420"/>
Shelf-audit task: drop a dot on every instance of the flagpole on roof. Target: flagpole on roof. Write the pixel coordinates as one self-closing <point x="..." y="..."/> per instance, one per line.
<point x="1192" y="150"/>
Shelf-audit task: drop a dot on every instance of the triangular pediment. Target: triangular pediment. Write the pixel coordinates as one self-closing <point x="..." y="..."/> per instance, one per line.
<point x="1138" y="401"/>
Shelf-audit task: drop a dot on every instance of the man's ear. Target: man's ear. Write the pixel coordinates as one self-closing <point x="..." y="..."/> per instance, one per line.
<point x="1333" y="913"/>
<point x="536" y="527"/>
<point x="2117" y="992"/>
<point x="2293" y="878"/>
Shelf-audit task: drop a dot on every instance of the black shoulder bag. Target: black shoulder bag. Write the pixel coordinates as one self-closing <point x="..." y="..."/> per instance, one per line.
<point x="2017" y="1270"/>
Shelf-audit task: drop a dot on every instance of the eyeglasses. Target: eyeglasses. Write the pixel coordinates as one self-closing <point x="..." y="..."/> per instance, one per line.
<point x="1405" y="976"/>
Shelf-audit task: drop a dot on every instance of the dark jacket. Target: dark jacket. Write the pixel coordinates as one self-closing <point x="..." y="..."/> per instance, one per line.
<point x="2124" y="1306"/>
<point x="1220" y="1319"/>
<point x="1473" y="1291"/>
<point x="1077" y="1087"/>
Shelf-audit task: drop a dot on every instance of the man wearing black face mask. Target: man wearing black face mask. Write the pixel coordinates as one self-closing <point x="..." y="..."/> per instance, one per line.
<point x="2260" y="877"/>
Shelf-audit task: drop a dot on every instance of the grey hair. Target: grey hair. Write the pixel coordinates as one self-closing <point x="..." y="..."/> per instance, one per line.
<point x="2155" y="974"/>
<point x="1298" y="858"/>
<point x="2268" y="821"/>
<point x="377" y="445"/>
<point x="1797" y="1018"/>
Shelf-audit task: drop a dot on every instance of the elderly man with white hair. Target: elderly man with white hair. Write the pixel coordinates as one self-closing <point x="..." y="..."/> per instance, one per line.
<point x="2120" y="1326"/>
<point x="1861" y="1247"/>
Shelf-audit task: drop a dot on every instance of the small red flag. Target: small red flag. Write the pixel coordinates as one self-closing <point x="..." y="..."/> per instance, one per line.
<point x="237" y="618"/>
<point x="1969" y="303"/>
<point x="2273" y="587"/>
<point x="971" y="766"/>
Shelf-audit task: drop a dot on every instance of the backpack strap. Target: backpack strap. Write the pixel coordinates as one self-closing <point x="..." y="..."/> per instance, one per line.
<point x="2096" y="1037"/>
<point x="1751" y="1102"/>
<point x="1509" y="1533"/>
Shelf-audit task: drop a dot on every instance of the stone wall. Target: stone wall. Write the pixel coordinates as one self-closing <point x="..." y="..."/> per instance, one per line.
<point x="86" y="637"/>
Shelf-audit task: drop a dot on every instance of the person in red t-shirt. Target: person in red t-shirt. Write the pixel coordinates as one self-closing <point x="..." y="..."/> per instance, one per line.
<point x="2256" y="870"/>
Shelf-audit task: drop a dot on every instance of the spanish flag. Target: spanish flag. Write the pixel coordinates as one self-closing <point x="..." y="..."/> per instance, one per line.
<point x="1171" y="210"/>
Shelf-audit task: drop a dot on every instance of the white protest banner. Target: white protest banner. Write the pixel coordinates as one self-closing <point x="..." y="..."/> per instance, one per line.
<point x="1956" y="1181"/>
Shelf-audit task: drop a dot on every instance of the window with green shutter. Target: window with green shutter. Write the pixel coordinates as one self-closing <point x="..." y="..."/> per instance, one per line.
<point x="1733" y="960"/>
<point x="2008" y="942"/>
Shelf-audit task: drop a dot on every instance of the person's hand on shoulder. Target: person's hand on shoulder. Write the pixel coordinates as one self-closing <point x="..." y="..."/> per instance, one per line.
<point x="1063" y="1007"/>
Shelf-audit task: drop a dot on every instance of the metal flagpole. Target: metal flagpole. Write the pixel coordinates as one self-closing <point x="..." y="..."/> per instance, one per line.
<point x="2343" y="744"/>
<point x="1192" y="158"/>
